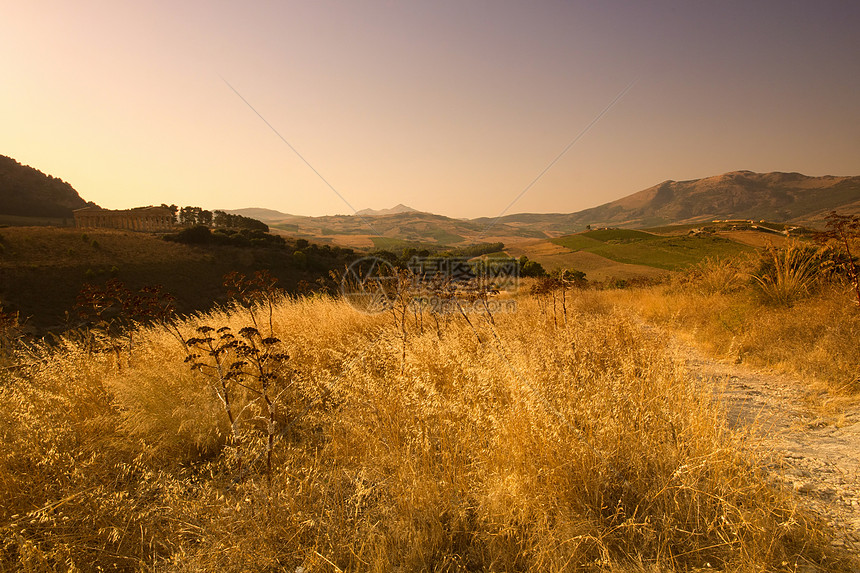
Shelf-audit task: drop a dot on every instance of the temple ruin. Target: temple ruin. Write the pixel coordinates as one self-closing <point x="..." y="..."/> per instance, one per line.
<point x="137" y="219"/>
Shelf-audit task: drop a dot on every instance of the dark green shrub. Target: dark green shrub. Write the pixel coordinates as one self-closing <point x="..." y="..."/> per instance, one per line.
<point x="198" y="235"/>
<point x="300" y="259"/>
<point x="531" y="268"/>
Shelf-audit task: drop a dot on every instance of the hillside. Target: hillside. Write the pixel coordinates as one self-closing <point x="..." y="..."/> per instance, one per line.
<point x="779" y="197"/>
<point x="43" y="269"/>
<point x="408" y="227"/>
<point x="27" y="192"/>
<point x="776" y="197"/>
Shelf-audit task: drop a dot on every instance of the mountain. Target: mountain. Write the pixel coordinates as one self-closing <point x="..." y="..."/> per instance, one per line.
<point x="272" y="216"/>
<point x="777" y="197"/>
<point x="27" y="192"/>
<point x="401" y="208"/>
<point x="410" y="226"/>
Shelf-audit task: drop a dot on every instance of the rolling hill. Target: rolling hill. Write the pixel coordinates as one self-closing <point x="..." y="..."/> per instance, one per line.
<point x="43" y="269"/>
<point x="27" y="192"/>
<point x="404" y="228"/>
<point x="30" y="260"/>
<point x="778" y="197"/>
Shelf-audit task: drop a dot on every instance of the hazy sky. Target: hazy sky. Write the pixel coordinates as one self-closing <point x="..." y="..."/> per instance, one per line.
<point x="447" y="106"/>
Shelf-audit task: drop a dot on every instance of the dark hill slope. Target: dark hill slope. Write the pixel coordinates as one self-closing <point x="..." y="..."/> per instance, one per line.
<point x="27" y="192"/>
<point x="43" y="269"/>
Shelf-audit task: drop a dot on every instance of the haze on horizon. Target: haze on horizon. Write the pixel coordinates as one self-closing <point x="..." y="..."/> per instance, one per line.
<point x="450" y="107"/>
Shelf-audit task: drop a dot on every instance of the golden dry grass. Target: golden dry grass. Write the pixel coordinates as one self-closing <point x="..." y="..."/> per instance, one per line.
<point x="538" y="443"/>
<point x="755" y="238"/>
<point x="812" y="334"/>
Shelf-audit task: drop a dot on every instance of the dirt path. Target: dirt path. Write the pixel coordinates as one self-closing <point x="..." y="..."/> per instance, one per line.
<point x="817" y="456"/>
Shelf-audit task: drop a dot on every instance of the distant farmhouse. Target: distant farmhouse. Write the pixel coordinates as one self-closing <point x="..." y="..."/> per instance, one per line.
<point x="137" y="219"/>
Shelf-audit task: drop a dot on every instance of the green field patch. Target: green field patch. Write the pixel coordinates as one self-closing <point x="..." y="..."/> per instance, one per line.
<point x="639" y="248"/>
<point x="672" y="253"/>
<point x="678" y="229"/>
<point x="496" y="255"/>
<point x="577" y="242"/>
<point x="618" y="235"/>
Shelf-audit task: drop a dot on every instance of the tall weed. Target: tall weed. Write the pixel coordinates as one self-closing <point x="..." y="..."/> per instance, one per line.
<point x="787" y="274"/>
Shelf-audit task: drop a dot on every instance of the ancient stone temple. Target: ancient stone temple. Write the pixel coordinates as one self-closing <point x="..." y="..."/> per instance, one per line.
<point x="137" y="219"/>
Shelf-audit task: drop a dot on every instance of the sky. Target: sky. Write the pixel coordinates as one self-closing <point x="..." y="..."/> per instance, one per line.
<point x="465" y="108"/>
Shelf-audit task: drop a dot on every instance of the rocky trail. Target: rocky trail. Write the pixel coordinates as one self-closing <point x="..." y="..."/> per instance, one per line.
<point x="818" y="456"/>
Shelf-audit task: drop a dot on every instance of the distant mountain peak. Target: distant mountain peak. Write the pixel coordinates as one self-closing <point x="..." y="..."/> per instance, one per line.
<point x="743" y="194"/>
<point x="399" y="208"/>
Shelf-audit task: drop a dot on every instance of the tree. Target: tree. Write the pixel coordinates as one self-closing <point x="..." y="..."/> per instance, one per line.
<point x="531" y="268"/>
<point x="188" y="216"/>
<point x="844" y="231"/>
<point x="172" y="208"/>
<point x="300" y="259"/>
<point x="224" y="220"/>
<point x="204" y="217"/>
<point x="221" y="219"/>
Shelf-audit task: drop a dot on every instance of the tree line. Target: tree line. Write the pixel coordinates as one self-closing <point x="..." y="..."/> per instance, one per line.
<point x="195" y="216"/>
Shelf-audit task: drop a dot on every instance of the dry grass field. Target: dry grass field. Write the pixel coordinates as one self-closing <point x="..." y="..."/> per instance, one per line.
<point x="299" y="434"/>
<point x="718" y="307"/>
<point x="539" y="440"/>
